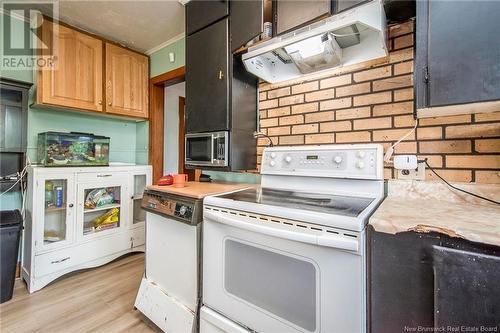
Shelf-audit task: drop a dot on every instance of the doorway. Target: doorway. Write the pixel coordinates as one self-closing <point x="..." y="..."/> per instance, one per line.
<point x="161" y="159"/>
<point x="182" y="142"/>
<point x="157" y="87"/>
<point x="173" y="143"/>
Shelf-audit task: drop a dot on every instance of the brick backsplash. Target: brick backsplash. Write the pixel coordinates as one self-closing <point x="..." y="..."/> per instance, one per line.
<point x="373" y="102"/>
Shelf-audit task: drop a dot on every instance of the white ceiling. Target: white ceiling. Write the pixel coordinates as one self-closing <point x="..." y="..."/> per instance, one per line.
<point x="141" y="25"/>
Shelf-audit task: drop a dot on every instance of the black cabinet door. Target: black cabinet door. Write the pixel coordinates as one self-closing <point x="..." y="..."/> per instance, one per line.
<point x="341" y="5"/>
<point x="400" y="284"/>
<point x="458" y="52"/>
<point x="246" y="21"/>
<point x="202" y="13"/>
<point x="466" y="288"/>
<point x="207" y="84"/>
<point x="292" y="14"/>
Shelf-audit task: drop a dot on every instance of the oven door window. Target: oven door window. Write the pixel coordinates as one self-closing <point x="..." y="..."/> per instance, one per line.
<point x="199" y="149"/>
<point x="283" y="285"/>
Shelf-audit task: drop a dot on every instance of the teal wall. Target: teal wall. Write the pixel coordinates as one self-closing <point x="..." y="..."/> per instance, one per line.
<point x="141" y="142"/>
<point x="159" y="62"/>
<point x="236" y="177"/>
<point x="122" y="132"/>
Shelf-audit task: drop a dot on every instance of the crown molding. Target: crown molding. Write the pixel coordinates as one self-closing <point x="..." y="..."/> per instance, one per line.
<point x="166" y="43"/>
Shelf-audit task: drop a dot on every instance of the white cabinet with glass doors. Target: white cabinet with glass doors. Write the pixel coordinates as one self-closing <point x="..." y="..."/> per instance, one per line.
<point x="81" y="217"/>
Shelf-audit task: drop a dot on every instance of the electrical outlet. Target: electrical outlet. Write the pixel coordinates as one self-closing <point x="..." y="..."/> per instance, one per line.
<point x="418" y="174"/>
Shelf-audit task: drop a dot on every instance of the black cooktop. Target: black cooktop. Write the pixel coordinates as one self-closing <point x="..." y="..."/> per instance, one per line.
<point x="324" y="203"/>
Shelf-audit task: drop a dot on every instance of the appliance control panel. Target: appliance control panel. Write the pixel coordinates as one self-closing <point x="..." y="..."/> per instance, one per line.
<point x="338" y="161"/>
<point x="178" y="208"/>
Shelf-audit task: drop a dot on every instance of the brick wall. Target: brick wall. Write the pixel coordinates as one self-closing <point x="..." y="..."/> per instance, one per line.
<point x="374" y="103"/>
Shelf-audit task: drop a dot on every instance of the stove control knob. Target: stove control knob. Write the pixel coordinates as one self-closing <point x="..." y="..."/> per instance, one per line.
<point x="337" y="159"/>
<point x="360" y="165"/>
<point x="288" y="159"/>
<point x="273" y="155"/>
<point x="272" y="163"/>
<point x="361" y="154"/>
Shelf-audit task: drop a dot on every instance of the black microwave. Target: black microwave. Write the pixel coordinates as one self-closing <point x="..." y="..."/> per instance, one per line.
<point x="207" y="149"/>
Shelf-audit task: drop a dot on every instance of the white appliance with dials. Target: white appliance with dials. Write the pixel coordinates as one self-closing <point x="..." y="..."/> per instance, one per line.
<point x="290" y="256"/>
<point x="169" y="291"/>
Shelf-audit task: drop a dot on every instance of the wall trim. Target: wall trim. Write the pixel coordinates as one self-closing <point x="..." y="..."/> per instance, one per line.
<point x="453" y="110"/>
<point x="165" y="44"/>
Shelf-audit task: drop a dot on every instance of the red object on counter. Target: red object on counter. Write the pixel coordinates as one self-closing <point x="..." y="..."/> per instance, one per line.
<point x="166" y="180"/>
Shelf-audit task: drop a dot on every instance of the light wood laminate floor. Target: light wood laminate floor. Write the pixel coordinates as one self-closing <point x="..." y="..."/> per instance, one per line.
<point x="95" y="300"/>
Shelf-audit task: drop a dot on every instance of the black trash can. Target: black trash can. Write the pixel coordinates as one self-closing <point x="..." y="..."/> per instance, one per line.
<point x="10" y="231"/>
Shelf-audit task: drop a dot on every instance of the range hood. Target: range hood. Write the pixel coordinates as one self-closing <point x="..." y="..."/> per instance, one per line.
<point x="353" y="36"/>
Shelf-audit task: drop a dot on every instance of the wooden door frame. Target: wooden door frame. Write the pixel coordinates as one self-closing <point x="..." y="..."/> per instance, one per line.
<point x="157" y="86"/>
<point x="182" y="103"/>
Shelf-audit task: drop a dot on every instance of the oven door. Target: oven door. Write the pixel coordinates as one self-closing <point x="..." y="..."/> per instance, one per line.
<point x="269" y="277"/>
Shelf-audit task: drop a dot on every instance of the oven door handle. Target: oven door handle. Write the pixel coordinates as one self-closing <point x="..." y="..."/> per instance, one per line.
<point x="334" y="241"/>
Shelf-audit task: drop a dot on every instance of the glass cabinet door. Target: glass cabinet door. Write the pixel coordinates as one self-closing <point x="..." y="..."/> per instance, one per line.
<point x="140" y="181"/>
<point x="101" y="207"/>
<point x="58" y="195"/>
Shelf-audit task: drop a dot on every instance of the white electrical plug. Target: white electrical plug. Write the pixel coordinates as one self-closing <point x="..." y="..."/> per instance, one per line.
<point x="405" y="162"/>
<point x="408" y="167"/>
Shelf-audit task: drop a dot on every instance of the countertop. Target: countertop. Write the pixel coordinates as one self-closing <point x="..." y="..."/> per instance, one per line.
<point x="427" y="206"/>
<point x="199" y="190"/>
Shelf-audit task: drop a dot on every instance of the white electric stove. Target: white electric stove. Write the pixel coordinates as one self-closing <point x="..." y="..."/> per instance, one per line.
<point x="290" y="256"/>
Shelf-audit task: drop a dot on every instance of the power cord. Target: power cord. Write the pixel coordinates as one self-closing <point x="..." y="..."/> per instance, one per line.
<point x="459" y="189"/>
<point x="262" y="135"/>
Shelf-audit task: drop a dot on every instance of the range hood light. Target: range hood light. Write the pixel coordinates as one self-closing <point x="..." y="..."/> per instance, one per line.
<point x="315" y="53"/>
<point x="308" y="47"/>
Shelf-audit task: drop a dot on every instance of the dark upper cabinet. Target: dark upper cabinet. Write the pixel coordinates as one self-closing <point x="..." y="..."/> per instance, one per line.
<point x="292" y="14"/>
<point x="458" y="53"/>
<point x="207" y="83"/>
<point x="202" y="13"/>
<point x="246" y="21"/>
<point x="342" y="5"/>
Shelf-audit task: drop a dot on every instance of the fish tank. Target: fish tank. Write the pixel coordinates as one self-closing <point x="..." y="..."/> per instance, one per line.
<point x="72" y="149"/>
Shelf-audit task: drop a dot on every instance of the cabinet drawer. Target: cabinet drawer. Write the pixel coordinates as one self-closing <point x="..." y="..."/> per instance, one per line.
<point x="86" y="252"/>
<point x="100" y="176"/>
<point x="55" y="261"/>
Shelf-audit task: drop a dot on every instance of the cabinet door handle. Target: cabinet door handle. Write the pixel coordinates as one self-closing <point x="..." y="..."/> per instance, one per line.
<point x="102" y="175"/>
<point x="60" y="260"/>
<point x="221" y="74"/>
<point x="70" y="205"/>
<point x="108" y="92"/>
<point x="100" y="102"/>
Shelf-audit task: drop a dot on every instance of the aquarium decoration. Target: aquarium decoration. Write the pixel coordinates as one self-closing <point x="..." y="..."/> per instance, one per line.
<point x="72" y="149"/>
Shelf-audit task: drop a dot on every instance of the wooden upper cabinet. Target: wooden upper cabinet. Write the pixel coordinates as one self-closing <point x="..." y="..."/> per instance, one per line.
<point x="76" y="81"/>
<point x="126" y="82"/>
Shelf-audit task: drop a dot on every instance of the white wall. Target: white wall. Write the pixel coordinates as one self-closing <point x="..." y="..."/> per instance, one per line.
<point x="171" y="136"/>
